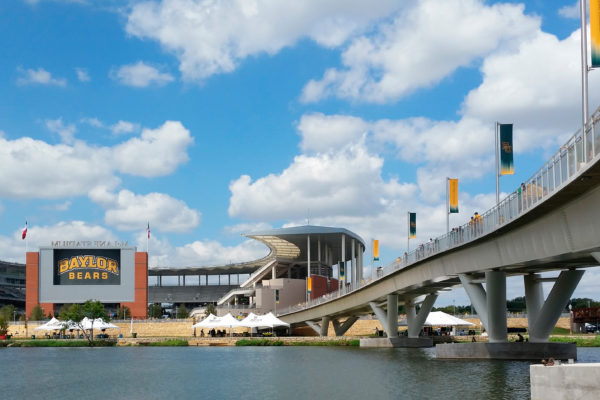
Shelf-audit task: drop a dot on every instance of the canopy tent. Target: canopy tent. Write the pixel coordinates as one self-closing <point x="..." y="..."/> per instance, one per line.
<point x="212" y="321"/>
<point x="440" y="318"/>
<point x="252" y="321"/>
<point x="99" y="323"/>
<point x="52" y="325"/>
<point x="272" y="321"/>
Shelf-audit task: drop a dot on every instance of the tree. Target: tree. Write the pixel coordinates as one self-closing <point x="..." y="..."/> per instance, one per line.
<point x="123" y="312"/>
<point x="154" y="310"/>
<point x="182" y="312"/>
<point x="77" y="312"/>
<point x="3" y="326"/>
<point x="516" y="305"/>
<point x="210" y="309"/>
<point x="7" y="312"/>
<point x="583" y="303"/>
<point x="37" y="314"/>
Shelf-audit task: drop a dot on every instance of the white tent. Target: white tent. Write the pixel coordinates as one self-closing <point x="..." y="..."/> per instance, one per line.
<point x="99" y="323"/>
<point x="272" y="321"/>
<point x="52" y="325"/>
<point x="263" y="321"/>
<point x="439" y="318"/>
<point x="212" y="321"/>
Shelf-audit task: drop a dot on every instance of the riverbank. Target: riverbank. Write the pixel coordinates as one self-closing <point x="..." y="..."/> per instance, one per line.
<point x="183" y="328"/>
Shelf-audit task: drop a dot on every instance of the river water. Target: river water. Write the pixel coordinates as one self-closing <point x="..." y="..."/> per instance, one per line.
<point x="257" y="373"/>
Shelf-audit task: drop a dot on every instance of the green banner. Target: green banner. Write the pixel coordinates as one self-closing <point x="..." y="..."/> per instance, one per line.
<point x="507" y="166"/>
<point x="342" y="270"/>
<point x="276" y="296"/>
<point x="412" y="232"/>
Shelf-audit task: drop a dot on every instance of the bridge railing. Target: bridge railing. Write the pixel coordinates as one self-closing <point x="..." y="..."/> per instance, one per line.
<point x="580" y="150"/>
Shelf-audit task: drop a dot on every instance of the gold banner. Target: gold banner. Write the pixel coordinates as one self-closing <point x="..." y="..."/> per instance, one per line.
<point x="309" y="284"/>
<point x="453" y="191"/>
<point x="595" y="32"/>
<point x="375" y="250"/>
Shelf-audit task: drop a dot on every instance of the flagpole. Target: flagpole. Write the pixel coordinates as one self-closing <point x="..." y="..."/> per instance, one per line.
<point x="497" y="166"/>
<point x="584" y="68"/>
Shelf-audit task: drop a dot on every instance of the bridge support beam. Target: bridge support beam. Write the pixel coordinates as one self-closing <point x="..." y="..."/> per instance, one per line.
<point x="477" y="295"/>
<point x="341" y="329"/>
<point x="392" y="315"/>
<point x="490" y="306"/>
<point x="495" y="282"/>
<point x="415" y="321"/>
<point x="321" y="329"/>
<point x="556" y="302"/>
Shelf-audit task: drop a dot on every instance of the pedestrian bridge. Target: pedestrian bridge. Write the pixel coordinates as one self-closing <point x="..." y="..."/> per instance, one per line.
<point x="550" y="223"/>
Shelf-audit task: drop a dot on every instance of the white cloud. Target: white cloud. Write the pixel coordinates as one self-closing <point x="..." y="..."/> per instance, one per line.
<point x="570" y="12"/>
<point x="342" y="183"/>
<point x="82" y="75"/>
<point x="12" y="247"/>
<point x="124" y="127"/>
<point x="38" y="77"/>
<point x="241" y="229"/>
<point x="515" y="89"/>
<point x="128" y="212"/>
<point x="422" y="46"/>
<point x="164" y="149"/>
<point x="66" y="132"/>
<point x="200" y="253"/>
<point x="95" y="122"/>
<point x="324" y="133"/>
<point x="213" y="37"/>
<point x="35" y="169"/>
<point x="141" y="74"/>
<point x="64" y="206"/>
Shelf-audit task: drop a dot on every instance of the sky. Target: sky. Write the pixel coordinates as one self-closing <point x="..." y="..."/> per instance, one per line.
<point x="208" y="119"/>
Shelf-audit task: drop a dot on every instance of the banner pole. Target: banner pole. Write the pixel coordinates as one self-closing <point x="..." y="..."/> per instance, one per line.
<point x="497" y="166"/>
<point x="584" y="67"/>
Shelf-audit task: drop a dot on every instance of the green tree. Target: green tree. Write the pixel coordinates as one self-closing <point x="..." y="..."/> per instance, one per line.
<point x="37" y="314"/>
<point x="182" y="312"/>
<point x="516" y="305"/>
<point x="3" y="326"/>
<point x="123" y="312"/>
<point x="154" y="310"/>
<point x="7" y="312"/>
<point x="583" y="303"/>
<point x="210" y="309"/>
<point x="77" y="312"/>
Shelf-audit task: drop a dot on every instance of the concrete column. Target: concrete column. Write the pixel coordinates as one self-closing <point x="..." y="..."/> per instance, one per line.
<point x="379" y="313"/>
<point x="495" y="282"/>
<point x="273" y="272"/>
<point x="343" y="257"/>
<point x="319" y="254"/>
<point x="183" y="280"/>
<point x="352" y="263"/>
<point x="361" y="250"/>
<point x="554" y="305"/>
<point x="415" y="321"/>
<point x="341" y="329"/>
<point x="308" y="253"/>
<point x="392" y="315"/>
<point x="477" y="296"/>
<point x="534" y="297"/>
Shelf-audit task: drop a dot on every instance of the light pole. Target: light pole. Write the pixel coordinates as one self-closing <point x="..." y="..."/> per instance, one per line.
<point x="570" y="319"/>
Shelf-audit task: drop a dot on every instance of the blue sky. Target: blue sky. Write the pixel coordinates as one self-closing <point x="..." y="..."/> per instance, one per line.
<point x="214" y="118"/>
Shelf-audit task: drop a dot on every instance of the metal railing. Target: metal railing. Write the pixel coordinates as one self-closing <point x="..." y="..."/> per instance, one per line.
<point x="581" y="150"/>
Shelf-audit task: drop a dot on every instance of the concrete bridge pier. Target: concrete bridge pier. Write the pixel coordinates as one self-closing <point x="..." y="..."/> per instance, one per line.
<point x="389" y="320"/>
<point x="416" y="320"/>
<point x="340" y="328"/>
<point x="542" y="317"/>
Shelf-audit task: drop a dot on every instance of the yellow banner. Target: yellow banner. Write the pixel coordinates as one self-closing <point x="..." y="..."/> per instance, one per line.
<point x="453" y="191"/>
<point x="309" y="284"/>
<point x="595" y="32"/>
<point x="375" y="250"/>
